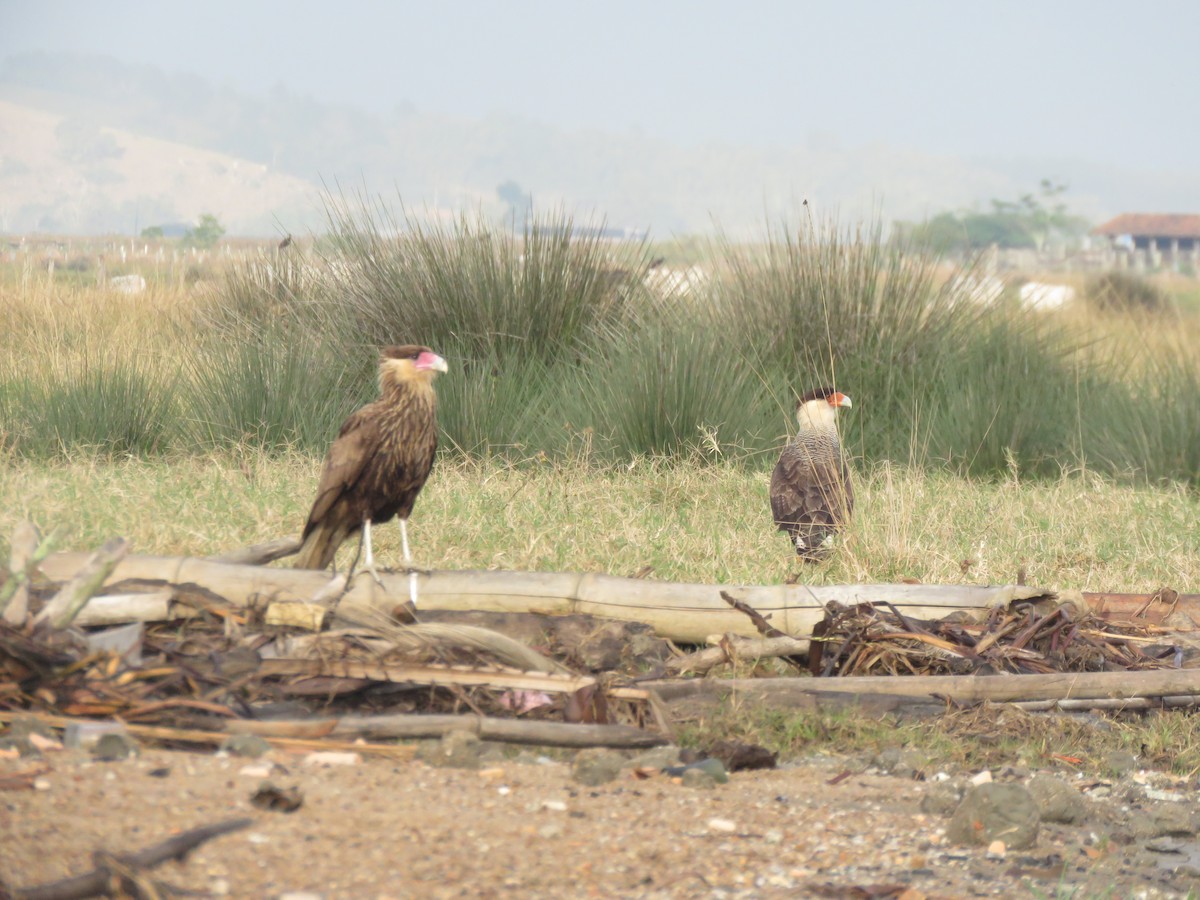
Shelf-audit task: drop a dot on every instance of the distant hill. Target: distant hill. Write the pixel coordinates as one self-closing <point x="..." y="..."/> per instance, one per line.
<point x="89" y="144"/>
<point x="59" y="174"/>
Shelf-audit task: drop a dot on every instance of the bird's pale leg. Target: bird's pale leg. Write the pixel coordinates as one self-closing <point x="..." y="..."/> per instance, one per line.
<point x="369" y="563"/>
<point x="412" y="576"/>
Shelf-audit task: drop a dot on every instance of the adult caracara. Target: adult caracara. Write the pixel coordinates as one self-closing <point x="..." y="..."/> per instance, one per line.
<point x="810" y="487"/>
<point x="379" y="462"/>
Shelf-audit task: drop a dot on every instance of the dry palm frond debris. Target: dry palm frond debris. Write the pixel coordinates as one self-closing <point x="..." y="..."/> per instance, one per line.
<point x="226" y="665"/>
<point x="1024" y="638"/>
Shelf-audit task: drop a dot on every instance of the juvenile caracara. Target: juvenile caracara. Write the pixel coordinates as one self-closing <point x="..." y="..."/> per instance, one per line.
<point x="379" y="462"/>
<point x="810" y="487"/>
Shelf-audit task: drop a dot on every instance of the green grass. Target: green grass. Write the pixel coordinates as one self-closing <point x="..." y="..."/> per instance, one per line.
<point x="287" y="389"/>
<point x="988" y="737"/>
<point x="92" y="405"/>
<point x="693" y="521"/>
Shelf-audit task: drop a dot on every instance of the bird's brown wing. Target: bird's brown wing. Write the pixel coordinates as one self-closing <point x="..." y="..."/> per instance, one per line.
<point x="345" y="463"/>
<point x="809" y="498"/>
<point x="848" y="503"/>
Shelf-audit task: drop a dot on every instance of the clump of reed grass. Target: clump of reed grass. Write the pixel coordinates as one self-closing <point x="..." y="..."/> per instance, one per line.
<point x="90" y="405"/>
<point x="274" y="388"/>
<point x="475" y="286"/>
<point x="558" y="348"/>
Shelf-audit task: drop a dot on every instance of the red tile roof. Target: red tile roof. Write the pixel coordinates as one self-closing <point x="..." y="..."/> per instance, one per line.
<point x="1168" y="225"/>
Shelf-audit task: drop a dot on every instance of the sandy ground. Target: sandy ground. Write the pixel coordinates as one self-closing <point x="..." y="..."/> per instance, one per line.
<point x="386" y="828"/>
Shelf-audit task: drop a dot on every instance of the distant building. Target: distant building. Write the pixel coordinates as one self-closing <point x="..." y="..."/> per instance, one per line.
<point x="1163" y="232"/>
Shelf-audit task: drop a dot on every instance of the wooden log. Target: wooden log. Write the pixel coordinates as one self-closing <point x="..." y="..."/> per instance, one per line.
<point x="488" y="728"/>
<point x="384" y="637"/>
<point x="117" y="609"/>
<point x="297" y="740"/>
<point x="956" y="688"/>
<point x="687" y="613"/>
<point x="1178" y="612"/>
<point x="1136" y="703"/>
<point x="106" y="880"/>
<point x="737" y="647"/>
<point x="74" y="595"/>
<point x="24" y="556"/>
<point x="464" y="676"/>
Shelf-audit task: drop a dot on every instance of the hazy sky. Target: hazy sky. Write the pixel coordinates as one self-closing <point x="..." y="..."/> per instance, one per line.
<point x="1103" y="80"/>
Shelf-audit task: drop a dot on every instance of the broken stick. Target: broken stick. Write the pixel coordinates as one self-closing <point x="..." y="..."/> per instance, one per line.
<point x="96" y="882"/>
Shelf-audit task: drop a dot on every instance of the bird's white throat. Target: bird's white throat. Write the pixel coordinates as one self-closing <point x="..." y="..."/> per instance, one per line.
<point x="817" y="415"/>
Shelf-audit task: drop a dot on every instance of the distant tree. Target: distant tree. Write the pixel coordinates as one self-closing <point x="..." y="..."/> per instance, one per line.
<point x="944" y="233"/>
<point x="207" y="232"/>
<point x="1029" y="221"/>
<point x="1000" y="227"/>
<point x="154" y="231"/>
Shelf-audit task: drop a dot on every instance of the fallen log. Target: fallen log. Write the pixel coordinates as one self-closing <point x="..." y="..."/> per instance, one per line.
<point x="86" y="581"/>
<point x="302" y="740"/>
<point x="385" y="637"/>
<point x="27" y="551"/>
<point x="1136" y="703"/>
<point x="488" y="728"/>
<point x="119" y="609"/>
<point x="463" y="676"/>
<point x="687" y="613"/>
<point x="949" y="688"/>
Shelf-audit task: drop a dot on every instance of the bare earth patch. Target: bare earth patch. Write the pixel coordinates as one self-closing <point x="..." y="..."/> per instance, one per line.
<point x="382" y="829"/>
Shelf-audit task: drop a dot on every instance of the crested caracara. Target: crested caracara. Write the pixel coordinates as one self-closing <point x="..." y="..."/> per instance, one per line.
<point x="379" y="461"/>
<point x="810" y="488"/>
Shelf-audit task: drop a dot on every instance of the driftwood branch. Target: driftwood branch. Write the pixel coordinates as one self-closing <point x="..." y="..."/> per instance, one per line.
<point x="464" y="676"/>
<point x="951" y="688"/>
<point x="348" y="732"/>
<point x="66" y="604"/>
<point x="385" y="636"/>
<point x="302" y="739"/>
<point x="765" y="628"/>
<point x="97" y="882"/>
<point x="25" y="555"/>
<point x="734" y="647"/>
<point x="1136" y="703"/>
<point x="489" y="728"/>
<point x="143" y="606"/>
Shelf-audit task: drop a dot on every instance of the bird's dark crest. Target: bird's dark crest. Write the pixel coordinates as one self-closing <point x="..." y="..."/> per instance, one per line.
<point x="403" y="351"/>
<point x="821" y="393"/>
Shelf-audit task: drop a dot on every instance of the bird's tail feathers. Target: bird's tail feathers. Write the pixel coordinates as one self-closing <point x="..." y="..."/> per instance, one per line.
<point x="319" y="547"/>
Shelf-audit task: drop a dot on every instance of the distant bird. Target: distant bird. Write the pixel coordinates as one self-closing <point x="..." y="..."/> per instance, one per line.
<point x="285" y="243"/>
<point x="379" y="461"/>
<point x="811" y="496"/>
